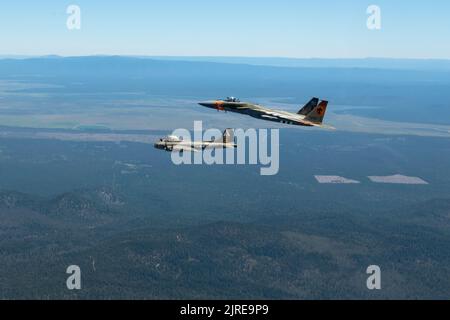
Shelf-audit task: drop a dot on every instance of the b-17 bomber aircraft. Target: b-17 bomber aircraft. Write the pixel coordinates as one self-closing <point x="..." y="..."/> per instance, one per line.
<point x="174" y="143"/>
<point x="311" y="114"/>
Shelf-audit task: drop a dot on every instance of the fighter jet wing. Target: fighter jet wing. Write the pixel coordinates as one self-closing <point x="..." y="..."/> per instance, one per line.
<point x="278" y="114"/>
<point x="324" y="126"/>
<point x="267" y="113"/>
<point x="182" y="148"/>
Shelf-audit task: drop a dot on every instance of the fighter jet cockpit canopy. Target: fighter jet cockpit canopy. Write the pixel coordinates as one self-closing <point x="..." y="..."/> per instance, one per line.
<point x="232" y="99"/>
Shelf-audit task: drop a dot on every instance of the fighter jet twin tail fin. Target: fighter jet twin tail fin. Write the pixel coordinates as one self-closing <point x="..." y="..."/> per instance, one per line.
<point x="315" y="111"/>
<point x="309" y="106"/>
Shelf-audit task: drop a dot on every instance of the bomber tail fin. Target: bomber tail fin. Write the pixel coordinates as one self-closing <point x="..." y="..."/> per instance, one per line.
<point x="307" y="108"/>
<point x="316" y="115"/>
<point x="228" y="136"/>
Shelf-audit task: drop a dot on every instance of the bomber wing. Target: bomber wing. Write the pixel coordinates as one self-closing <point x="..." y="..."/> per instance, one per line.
<point x="182" y="148"/>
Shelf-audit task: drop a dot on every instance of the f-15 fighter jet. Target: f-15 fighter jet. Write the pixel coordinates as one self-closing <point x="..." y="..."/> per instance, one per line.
<point x="311" y="114"/>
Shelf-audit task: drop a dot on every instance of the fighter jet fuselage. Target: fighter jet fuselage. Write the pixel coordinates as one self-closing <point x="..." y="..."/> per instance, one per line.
<point x="311" y="114"/>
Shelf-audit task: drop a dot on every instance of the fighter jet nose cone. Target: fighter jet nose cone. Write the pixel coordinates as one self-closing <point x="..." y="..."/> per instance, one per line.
<point x="204" y="103"/>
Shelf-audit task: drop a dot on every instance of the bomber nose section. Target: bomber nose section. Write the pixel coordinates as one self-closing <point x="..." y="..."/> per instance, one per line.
<point x="159" y="144"/>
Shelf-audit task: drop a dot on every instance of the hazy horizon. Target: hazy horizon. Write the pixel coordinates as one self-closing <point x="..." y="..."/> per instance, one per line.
<point x="25" y="56"/>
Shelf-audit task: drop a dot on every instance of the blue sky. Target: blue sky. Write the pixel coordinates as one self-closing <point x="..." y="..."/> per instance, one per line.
<point x="284" y="28"/>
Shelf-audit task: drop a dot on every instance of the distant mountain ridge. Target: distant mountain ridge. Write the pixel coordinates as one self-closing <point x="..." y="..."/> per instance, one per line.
<point x="371" y="63"/>
<point x="375" y="63"/>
